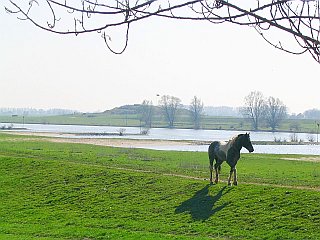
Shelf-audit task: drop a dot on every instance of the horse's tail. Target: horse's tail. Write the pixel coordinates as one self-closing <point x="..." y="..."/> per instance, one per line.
<point x="213" y="148"/>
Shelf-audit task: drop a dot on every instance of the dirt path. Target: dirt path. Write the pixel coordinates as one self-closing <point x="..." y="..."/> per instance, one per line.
<point x="306" y="159"/>
<point x="317" y="189"/>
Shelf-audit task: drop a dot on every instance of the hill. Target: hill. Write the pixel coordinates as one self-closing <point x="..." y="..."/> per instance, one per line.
<point x="126" y="109"/>
<point x="136" y="109"/>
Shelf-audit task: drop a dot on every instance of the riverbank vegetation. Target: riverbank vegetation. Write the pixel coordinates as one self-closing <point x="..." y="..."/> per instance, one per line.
<point x="76" y="191"/>
<point x="132" y="119"/>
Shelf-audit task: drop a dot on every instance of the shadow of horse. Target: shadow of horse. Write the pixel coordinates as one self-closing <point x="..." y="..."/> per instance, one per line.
<point x="201" y="205"/>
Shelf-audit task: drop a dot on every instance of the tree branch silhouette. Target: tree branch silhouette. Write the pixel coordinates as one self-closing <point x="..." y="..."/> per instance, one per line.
<point x="298" y="19"/>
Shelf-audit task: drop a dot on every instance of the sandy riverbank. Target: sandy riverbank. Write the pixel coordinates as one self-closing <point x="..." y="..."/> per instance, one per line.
<point x="112" y="142"/>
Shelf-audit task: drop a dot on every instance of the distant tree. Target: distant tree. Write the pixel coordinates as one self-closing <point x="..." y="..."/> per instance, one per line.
<point x="254" y="108"/>
<point x="146" y="113"/>
<point x="312" y="114"/>
<point x="169" y="105"/>
<point x="196" y="109"/>
<point x="275" y="112"/>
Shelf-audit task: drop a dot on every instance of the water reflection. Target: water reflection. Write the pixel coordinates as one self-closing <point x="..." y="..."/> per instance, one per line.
<point x="269" y="149"/>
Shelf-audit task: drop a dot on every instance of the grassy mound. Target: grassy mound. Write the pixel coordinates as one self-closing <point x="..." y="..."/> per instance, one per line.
<point x="74" y="191"/>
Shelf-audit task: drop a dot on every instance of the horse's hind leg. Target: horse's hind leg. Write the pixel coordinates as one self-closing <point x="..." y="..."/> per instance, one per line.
<point x="211" y="169"/>
<point x="211" y="159"/>
<point x="217" y="168"/>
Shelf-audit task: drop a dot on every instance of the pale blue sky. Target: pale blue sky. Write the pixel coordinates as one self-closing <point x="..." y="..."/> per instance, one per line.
<point x="220" y="64"/>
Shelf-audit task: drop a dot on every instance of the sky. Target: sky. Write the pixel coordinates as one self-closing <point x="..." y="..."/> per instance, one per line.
<point x="220" y="64"/>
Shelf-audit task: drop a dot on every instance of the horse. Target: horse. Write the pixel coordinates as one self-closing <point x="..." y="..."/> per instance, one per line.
<point x="229" y="152"/>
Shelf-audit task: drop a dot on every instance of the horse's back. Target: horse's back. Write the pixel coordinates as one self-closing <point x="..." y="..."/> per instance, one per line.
<point x="218" y="150"/>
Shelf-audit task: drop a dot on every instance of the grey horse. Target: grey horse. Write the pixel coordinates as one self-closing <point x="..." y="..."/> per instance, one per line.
<point x="229" y="152"/>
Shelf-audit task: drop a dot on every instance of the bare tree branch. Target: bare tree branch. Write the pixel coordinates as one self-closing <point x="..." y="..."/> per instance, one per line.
<point x="170" y="105"/>
<point x="299" y="19"/>
<point x="276" y="111"/>
<point x="254" y="108"/>
<point x="196" y="109"/>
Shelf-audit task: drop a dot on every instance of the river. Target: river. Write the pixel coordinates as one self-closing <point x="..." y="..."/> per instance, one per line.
<point x="180" y="134"/>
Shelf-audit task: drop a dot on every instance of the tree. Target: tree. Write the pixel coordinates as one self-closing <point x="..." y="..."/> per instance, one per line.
<point x="254" y="108"/>
<point x="169" y="105"/>
<point x="146" y="112"/>
<point x="276" y="111"/>
<point x="298" y="19"/>
<point x="312" y="114"/>
<point x="196" y="109"/>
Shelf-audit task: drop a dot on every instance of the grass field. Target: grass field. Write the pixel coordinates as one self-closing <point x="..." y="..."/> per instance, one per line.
<point x="74" y="191"/>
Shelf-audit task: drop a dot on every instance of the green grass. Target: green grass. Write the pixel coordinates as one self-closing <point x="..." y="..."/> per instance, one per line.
<point x="74" y="191"/>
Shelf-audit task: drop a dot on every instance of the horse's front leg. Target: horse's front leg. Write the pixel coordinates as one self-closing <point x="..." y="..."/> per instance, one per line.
<point x="230" y="175"/>
<point x="235" y="178"/>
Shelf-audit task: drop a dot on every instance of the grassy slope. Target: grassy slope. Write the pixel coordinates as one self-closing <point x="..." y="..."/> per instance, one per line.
<point x="72" y="191"/>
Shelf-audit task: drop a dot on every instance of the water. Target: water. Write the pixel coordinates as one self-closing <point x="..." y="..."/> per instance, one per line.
<point x="159" y="133"/>
<point x="268" y="149"/>
<point x="182" y="134"/>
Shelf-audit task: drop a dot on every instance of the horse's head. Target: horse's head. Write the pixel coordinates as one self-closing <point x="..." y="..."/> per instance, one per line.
<point x="246" y="142"/>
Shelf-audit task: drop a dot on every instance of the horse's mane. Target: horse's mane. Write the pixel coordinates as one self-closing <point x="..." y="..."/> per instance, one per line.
<point x="233" y="139"/>
<point x="231" y="142"/>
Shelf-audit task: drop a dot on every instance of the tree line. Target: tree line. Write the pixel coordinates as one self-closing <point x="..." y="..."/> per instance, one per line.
<point x="35" y="112"/>
<point x="169" y="106"/>
<point x="257" y="109"/>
